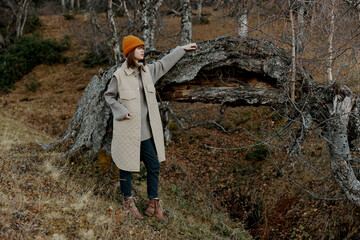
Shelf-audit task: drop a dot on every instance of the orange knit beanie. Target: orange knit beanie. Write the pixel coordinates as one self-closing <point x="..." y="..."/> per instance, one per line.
<point x="130" y="42"/>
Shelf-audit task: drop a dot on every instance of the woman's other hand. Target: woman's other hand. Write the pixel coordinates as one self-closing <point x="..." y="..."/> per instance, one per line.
<point x="129" y="116"/>
<point x="190" y="46"/>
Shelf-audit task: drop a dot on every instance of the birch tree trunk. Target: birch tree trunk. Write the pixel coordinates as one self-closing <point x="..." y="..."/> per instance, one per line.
<point x="63" y="5"/>
<point x="242" y="18"/>
<point x="78" y="4"/>
<point x="339" y="146"/>
<point x="186" y="25"/>
<point x="199" y="10"/>
<point x="114" y="38"/>
<point x="21" y="16"/>
<point x="97" y="30"/>
<point x="127" y="11"/>
<point x="147" y="13"/>
<point x="144" y="14"/>
<point x="72" y="5"/>
<point x="330" y="40"/>
<point x="24" y="17"/>
<point x="301" y="28"/>
<point x="95" y="40"/>
<point x="293" y="53"/>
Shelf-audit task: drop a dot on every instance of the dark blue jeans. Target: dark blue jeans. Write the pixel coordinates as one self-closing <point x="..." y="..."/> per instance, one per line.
<point x="149" y="157"/>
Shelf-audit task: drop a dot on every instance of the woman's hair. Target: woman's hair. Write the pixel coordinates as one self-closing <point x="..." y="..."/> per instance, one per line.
<point x="131" y="62"/>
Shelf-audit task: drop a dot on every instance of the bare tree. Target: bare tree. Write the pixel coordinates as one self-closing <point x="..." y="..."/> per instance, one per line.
<point x="101" y="40"/>
<point x="127" y="11"/>
<point x="293" y="52"/>
<point x="330" y="40"/>
<point x="148" y="12"/>
<point x="72" y="5"/>
<point x="114" y="38"/>
<point x="186" y="25"/>
<point x="300" y="36"/>
<point x="63" y="5"/>
<point x="242" y="18"/>
<point x="355" y="4"/>
<point x="21" y="15"/>
<point x="199" y="9"/>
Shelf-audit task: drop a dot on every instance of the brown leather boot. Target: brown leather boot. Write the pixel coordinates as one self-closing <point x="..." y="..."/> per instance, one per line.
<point x="154" y="209"/>
<point x="129" y="206"/>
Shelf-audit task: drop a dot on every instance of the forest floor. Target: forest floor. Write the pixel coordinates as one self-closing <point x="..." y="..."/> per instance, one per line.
<point x="208" y="194"/>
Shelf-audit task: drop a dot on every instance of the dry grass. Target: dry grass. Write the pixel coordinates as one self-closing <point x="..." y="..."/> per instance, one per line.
<point x="44" y="197"/>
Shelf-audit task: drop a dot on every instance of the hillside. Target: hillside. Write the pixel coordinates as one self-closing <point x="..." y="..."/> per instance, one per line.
<point x="42" y="197"/>
<point x="45" y="197"/>
<point x="208" y="194"/>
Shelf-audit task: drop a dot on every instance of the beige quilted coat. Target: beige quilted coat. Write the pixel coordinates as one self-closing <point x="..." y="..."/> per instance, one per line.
<point x="125" y="146"/>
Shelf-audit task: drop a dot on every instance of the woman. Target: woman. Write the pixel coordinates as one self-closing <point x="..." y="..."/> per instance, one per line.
<point x="137" y="129"/>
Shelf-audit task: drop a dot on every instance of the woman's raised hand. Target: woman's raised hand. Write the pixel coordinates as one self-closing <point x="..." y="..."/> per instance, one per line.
<point x="190" y="46"/>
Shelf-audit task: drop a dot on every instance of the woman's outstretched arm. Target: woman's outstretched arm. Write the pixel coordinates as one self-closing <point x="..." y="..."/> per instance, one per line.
<point x="159" y="68"/>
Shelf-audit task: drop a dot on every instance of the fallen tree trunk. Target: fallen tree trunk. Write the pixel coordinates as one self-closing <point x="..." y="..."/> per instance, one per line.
<point x="235" y="72"/>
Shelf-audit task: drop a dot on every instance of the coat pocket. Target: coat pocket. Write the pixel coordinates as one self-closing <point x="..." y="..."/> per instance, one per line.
<point x="127" y="94"/>
<point x="150" y="87"/>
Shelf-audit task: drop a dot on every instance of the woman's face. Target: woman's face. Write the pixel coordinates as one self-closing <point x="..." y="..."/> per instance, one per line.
<point x="139" y="53"/>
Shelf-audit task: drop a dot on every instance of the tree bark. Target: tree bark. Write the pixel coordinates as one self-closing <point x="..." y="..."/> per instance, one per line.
<point x="330" y="40"/>
<point x="97" y="30"/>
<point x="92" y="13"/>
<point x="72" y="5"/>
<point x="199" y="10"/>
<point x="242" y="19"/>
<point x="147" y="13"/>
<point x="25" y="17"/>
<point x="339" y="145"/>
<point x="186" y="25"/>
<point x="127" y="12"/>
<point x="164" y="113"/>
<point x="63" y="5"/>
<point x="114" y="38"/>
<point x="233" y="72"/>
<point x="301" y="29"/>
<point x="21" y="17"/>
<point x="293" y="53"/>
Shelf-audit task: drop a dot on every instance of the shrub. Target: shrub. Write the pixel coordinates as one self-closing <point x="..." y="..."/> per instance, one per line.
<point x="259" y="153"/>
<point x="173" y="127"/>
<point x="33" y="86"/>
<point x="204" y="20"/>
<point x="69" y="16"/>
<point x="20" y="58"/>
<point x="92" y="59"/>
<point x="32" y="23"/>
